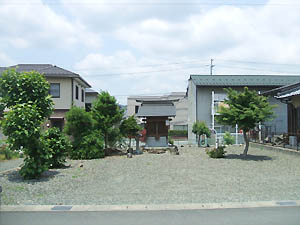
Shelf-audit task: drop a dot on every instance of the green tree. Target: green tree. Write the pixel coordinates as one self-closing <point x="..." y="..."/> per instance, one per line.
<point x="107" y="115"/>
<point x="26" y="87"/>
<point x="200" y="128"/>
<point x="87" y="144"/>
<point x="22" y="126"/>
<point x="129" y="128"/>
<point x="79" y="123"/>
<point x="246" y="109"/>
<point x="26" y="95"/>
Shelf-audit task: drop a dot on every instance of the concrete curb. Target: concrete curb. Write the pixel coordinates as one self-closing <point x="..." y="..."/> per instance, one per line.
<point x="274" y="148"/>
<point x="104" y="208"/>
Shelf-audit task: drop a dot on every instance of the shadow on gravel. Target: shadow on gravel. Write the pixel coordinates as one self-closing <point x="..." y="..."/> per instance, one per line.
<point x="114" y="152"/>
<point x="15" y="177"/>
<point x="249" y="157"/>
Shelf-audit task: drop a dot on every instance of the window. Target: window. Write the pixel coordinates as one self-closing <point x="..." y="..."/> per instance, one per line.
<point x="82" y="95"/>
<point x="76" y="92"/>
<point x="136" y="109"/>
<point x="55" y="90"/>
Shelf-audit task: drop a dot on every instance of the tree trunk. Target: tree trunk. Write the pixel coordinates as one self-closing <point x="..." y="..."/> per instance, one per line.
<point x="247" y="143"/>
<point x="198" y="140"/>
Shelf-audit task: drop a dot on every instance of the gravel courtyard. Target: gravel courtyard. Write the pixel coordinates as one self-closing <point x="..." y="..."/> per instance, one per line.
<point x="191" y="177"/>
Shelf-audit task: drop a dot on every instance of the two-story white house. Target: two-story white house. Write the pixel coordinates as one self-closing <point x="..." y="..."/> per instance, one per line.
<point x="66" y="88"/>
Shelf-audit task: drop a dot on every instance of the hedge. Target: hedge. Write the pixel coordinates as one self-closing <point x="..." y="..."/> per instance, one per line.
<point x="178" y="133"/>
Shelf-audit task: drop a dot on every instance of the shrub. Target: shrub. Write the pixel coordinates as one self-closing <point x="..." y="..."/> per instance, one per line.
<point x="178" y="133"/>
<point x="216" y="152"/>
<point x="171" y="141"/>
<point x="6" y="152"/>
<point x="115" y="137"/>
<point x="200" y="128"/>
<point x="79" y="123"/>
<point x="228" y="138"/>
<point x="36" y="160"/>
<point x="91" y="147"/>
<point x="58" y="145"/>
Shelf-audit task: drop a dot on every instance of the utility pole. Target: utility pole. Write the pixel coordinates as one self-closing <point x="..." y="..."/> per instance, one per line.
<point x="211" y="66"/>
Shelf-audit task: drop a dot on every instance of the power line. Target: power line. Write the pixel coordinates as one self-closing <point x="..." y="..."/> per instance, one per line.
<point x="257" y="69"/>
<point x="149" y="65"/>
<point x="264" y="63"/>
<point x="142" y="72"/>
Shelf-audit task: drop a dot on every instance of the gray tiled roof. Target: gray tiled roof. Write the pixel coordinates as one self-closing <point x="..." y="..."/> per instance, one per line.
<point x="157" y="108"/>
<point x="289" y="94"/>
<point x="47" y="69"/>
<point x="244" y="80"/>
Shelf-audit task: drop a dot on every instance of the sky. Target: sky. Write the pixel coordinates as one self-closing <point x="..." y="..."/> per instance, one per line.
<point x="151" y="47"/>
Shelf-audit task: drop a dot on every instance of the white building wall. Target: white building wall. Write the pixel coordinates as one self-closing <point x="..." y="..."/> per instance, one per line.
<point x="181" y="113"/>
<point x="78" y="102"/>
<point x="65" y="99"/>
<point x="131" y="103"/>
<point x="192" y="99"/>
<point x="200" y="108"/>
<point x="90" y="98"/>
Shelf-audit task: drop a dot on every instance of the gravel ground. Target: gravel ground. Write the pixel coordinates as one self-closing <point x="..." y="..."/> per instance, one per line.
<point x="191" y="177"/>
<point x="10" y="164"/>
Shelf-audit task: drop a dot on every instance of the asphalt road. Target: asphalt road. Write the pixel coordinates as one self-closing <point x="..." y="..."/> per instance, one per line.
<point x="250" y="216"/>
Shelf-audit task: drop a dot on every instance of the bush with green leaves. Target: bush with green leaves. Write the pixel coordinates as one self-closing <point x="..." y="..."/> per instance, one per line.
<point x="87" y="141"/>
<point x="216" y="152"/>
<point x="79" y="124"/>
<point x="178" y="133"/>
<point x="58" y="145"/>
<point x="228" y="138"/>
<point x="91" y="147"/>
<point x="22" y="126"/>
<point x="6" y="152"/>
<point x="200" y="128"/>
<point x="130" y="128"/>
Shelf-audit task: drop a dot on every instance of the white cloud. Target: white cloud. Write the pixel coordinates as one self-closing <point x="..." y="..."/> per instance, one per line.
<point x="34" y="24"/>
<point x="5" y="60"/>
<point x="267" y="33"/>
<point x="124" y="74"/>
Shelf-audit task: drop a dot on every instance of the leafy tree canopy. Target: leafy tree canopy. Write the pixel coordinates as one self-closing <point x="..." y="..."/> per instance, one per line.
<point x="246" y="109"/>
<point x="27" y="96"/>
<point x="79" y="122"/>
<point x="129" y="127"/>
<point x="26" y="87"/>
<point x="106" y="113"/>
<point x="200" y="128"/>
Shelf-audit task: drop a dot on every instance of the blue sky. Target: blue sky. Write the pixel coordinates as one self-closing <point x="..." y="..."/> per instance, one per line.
<point x="130" y="47"/>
